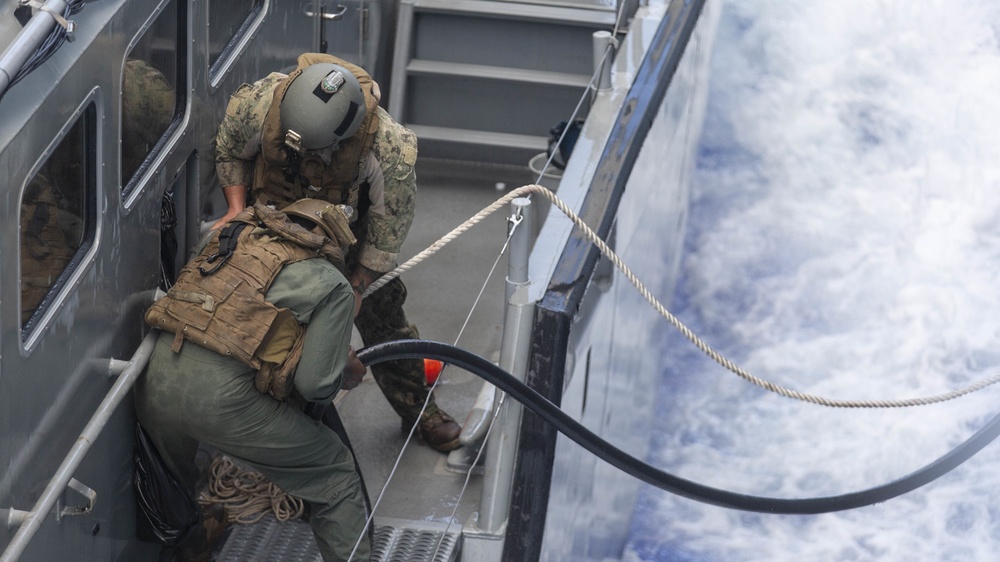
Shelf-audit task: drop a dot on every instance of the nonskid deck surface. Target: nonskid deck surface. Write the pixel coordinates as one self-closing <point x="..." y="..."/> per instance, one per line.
<point x="292" y="541"/>
<point x="425" y="487"/>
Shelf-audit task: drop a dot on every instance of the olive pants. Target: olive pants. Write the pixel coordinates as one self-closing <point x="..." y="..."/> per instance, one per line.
<point x="198" y="395"/>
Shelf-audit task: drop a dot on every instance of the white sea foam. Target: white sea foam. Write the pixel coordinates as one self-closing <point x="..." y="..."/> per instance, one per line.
<point x="844" y="241"/>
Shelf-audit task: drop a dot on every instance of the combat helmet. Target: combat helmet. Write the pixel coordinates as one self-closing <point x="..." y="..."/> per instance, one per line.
<point x="323" y="105"/>
<point x="332" y="219"/>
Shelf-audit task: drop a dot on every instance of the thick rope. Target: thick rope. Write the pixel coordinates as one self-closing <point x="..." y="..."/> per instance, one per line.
<point x="248" y="495"/>
<point x="455" y="233"/>
<point x="684" y="330"/>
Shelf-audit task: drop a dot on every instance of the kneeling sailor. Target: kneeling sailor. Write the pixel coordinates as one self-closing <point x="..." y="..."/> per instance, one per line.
<point x="257" y="326"/>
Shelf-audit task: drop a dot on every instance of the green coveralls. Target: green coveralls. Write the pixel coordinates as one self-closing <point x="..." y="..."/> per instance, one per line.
<point x="199" y="395"/>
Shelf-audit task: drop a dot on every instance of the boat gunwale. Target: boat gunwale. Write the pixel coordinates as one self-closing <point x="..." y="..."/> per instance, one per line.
<point x="575" y="267"/>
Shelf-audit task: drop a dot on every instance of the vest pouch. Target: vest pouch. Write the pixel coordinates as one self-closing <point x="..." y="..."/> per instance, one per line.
<point x="280" y="355"/>
<point x="204" y="298"/>
<point x="230" y="320"/>
<point x="243" y="324"/>
<point x="280" y="339"/>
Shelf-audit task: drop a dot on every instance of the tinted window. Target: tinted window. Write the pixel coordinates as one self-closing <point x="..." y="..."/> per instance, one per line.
<point x="57" y="217"/>
<point x="228" y="21"/>
<point x="152" y="92"/>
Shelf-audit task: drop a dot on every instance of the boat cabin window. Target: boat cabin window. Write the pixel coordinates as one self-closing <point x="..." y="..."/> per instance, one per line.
<point x="228" y="22"/>
<point x="58" y="217"/>
<point x="152" y="93"/>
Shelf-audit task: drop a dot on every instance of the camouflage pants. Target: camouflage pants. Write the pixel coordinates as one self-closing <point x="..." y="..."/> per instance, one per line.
<point x="381" y="319"/>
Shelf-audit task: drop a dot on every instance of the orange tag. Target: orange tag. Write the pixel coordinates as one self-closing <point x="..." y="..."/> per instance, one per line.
<point x="432" y="368"/>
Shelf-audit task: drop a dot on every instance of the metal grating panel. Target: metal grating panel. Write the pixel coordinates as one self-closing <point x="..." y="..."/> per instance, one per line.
<point x="399" y="544"/>
<point x="269" y="540"/>
<point x="292" y="541"/>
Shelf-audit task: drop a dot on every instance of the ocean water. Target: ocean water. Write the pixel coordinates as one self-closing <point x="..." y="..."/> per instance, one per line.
<point x="844" y="240"/>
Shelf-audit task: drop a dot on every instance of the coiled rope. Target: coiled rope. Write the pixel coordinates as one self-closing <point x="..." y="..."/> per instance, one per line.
<point x="248" y="495"/>
<point x="684" y="330"/>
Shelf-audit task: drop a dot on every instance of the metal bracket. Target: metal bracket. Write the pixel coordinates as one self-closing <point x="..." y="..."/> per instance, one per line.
<point x="293" y="140"/>
<point x="68" y="25"/>
<point x="513" y="221"/>
<point x="84" y="491"/>
<point x="117" y="367"/>
<point x="17" y="517"/>
<point x="328" y="16"/>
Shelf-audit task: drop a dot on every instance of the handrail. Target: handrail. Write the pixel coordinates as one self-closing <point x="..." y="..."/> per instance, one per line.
<point x="28" y="41"/>
<point x="30" y="522"/>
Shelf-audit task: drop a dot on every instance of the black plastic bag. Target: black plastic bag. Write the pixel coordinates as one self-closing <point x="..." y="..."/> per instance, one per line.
<point x="167" y="512"/>
<point x="564" y="147"/>
<point x="168" y="241"/>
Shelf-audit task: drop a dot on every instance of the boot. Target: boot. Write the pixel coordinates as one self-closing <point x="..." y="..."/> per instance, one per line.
<point x="438" y="430"/>
<point x="215" y="519"/>
<point x="197" y="546"/>
<point x="193" y="547"/>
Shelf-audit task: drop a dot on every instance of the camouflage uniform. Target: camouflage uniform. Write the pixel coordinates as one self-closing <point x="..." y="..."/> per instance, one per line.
<point x="380" y="229"/>
<point x="147" y="108"/>
<point x="50" y="236"/>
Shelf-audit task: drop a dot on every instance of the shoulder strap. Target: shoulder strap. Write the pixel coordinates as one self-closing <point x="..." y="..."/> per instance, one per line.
<point x="228" y="238"/>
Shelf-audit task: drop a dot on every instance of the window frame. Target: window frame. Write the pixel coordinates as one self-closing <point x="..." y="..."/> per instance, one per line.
<point x="90" y="114"/>
<point x="131" y="190"/>
<point x="236" y="44"/>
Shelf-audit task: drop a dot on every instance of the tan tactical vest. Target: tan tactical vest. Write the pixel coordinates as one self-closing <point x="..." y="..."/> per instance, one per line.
<point x="223" y="309"/>
<point x="281" y="178"/>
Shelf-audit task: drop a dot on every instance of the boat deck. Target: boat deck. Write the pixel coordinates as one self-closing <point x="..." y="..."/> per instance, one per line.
<point x="441" y="291"/>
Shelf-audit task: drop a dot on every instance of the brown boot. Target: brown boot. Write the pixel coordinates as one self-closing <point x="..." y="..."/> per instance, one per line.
<point x="438" y="430"/>
<point x="197" y="547"/>
<point x="193" y="547"/>
<point x="215" y="519"/>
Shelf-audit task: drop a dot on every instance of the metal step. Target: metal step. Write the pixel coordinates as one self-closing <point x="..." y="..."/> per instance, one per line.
<point x="416" y="541"/>
<point x="269" y="540"/>
<point x="480" y="71"/>
<point x="492" y="76"/>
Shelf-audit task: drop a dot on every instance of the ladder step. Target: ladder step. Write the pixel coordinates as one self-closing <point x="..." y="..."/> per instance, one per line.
<point x="487" y="79"/>
<point x="483" y="138"/>
<point x="560" y="12"/>
<point x="428" y="67"/>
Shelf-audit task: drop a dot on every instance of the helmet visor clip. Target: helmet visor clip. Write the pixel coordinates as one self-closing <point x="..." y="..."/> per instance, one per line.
<point x="293" y="140"/>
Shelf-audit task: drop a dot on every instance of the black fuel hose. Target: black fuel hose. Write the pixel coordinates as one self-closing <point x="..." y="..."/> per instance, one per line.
<point x="413" y="349"/>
